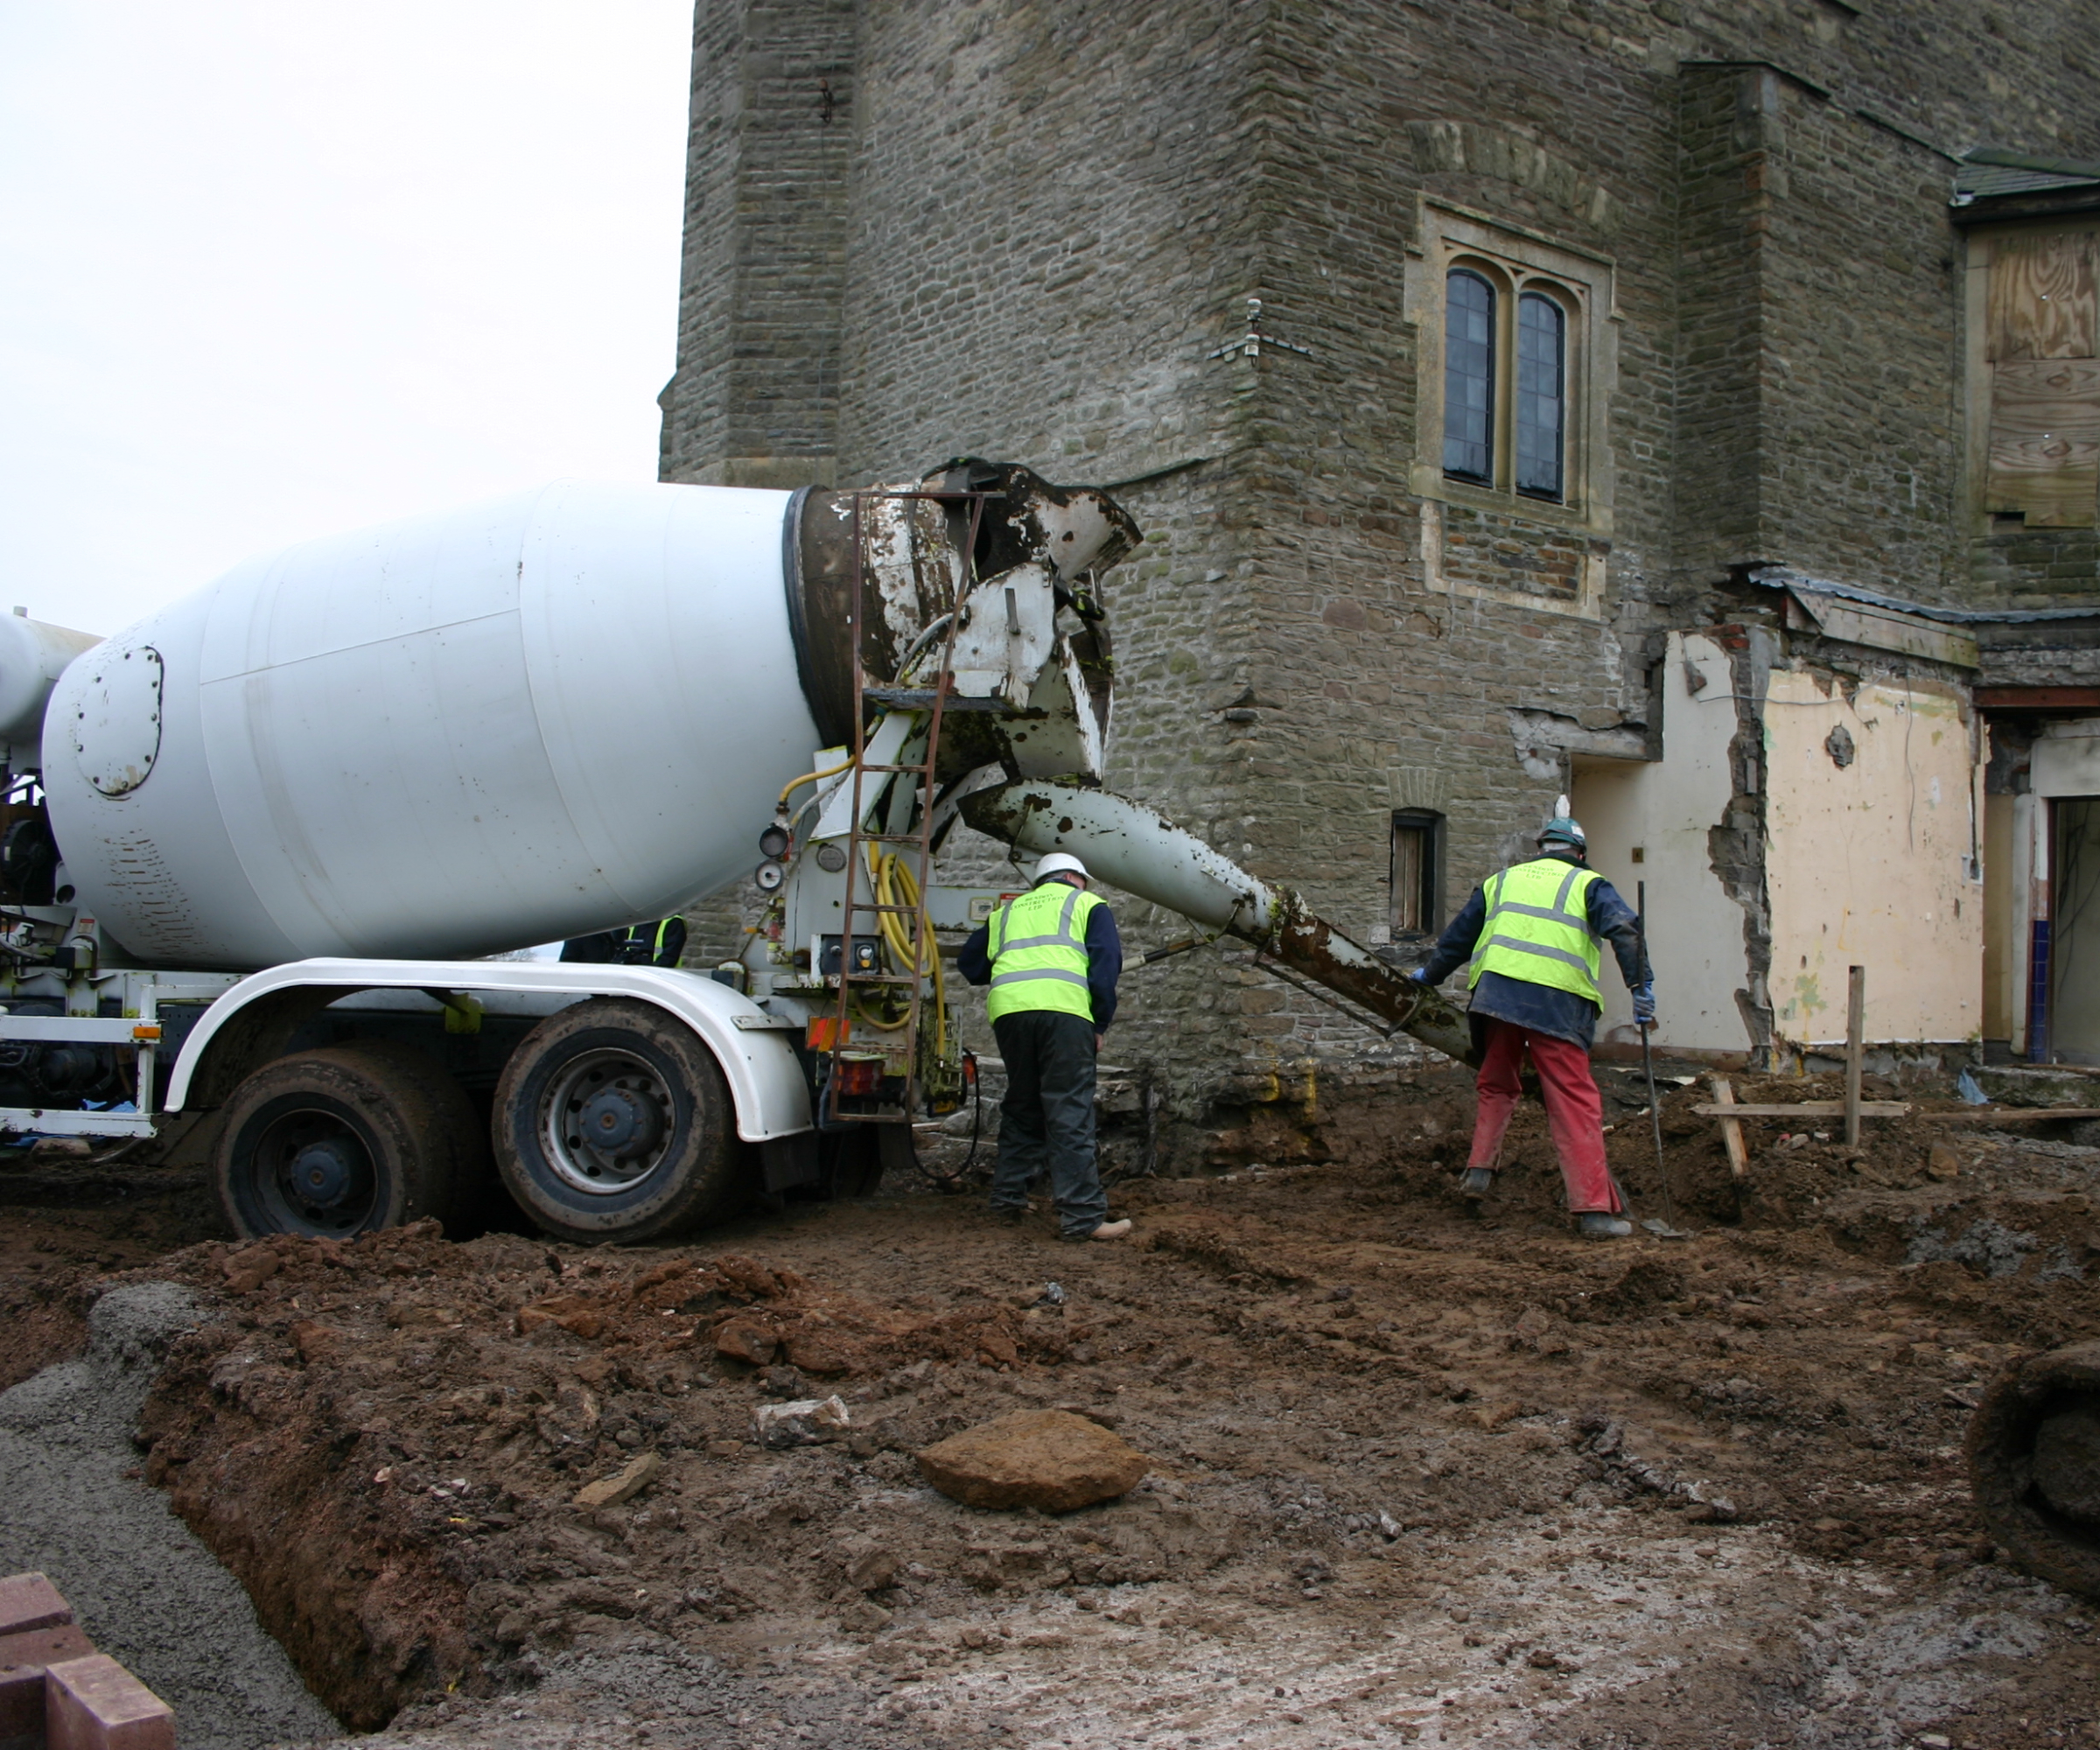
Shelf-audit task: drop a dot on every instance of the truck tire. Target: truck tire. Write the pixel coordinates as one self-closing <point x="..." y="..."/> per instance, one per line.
<point x="346" y="1140"/>
<point x="613" y="1123"/>
<point x="2033" y="1451"/>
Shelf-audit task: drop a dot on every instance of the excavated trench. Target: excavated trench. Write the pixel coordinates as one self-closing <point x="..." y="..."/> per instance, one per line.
<point x="1417" y="1476"/>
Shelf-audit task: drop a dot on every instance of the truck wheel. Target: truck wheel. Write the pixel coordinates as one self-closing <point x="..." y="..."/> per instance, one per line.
<point x="346" y="1140"/>
<point x="2033" y="1451"/>
<point x="613" y="1123"/>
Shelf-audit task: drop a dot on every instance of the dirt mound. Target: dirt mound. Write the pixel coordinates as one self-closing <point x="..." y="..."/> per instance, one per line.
<point x="1367" y="1411"/>
<point x="63" y="1229"/>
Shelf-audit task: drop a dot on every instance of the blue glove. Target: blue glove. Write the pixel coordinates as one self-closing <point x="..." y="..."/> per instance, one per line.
<point x="1419" y="976"/>
<point x="1644" y="1002"/>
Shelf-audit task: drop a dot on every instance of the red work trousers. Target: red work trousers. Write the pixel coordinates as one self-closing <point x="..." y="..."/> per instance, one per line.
<point x="1574" y="1110"/>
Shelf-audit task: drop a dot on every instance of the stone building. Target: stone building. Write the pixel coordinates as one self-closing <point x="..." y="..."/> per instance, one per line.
<point x="1695" y="408"/>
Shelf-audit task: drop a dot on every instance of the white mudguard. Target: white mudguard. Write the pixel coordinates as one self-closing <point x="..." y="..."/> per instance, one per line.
<point x="765" y="1080"/>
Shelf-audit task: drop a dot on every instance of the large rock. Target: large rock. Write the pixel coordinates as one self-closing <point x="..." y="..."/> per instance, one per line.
<point x="1047" y="1459"/>
<point x="623" y="1485"/>
<point x="807" y="1422"/>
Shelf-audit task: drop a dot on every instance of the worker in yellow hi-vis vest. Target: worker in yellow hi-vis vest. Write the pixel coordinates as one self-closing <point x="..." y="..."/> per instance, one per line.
<point x="1533" y="934"/>
<point x="661" y="943"/>
<point x="1051" y="957"/>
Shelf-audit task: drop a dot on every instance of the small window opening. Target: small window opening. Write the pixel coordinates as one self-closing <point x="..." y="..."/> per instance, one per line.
<point x="1542" y="328"/>
<point x="1468" y="376"/>
<point x="1417" y="873"/>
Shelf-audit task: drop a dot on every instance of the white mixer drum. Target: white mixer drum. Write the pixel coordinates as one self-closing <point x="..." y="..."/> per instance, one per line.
<point x="441" y="738"/>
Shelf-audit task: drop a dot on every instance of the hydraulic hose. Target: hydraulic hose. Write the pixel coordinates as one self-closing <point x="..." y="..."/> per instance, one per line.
<point x="894" y="884"/>
<point x="794" y="784"/>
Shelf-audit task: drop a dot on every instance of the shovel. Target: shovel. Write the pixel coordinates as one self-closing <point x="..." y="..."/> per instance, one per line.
<point x="1661" y="1230"/>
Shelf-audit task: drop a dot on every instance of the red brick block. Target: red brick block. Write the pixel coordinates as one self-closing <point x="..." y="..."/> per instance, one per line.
<point x="23" y="1658"/>
<point x="94" y="1703"/>
<point x="30" y="1601"/>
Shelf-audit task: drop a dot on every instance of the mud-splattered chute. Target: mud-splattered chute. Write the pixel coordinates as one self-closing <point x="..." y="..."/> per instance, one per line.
<point x="2034" y="1464"/>
<point x="1140" y="851"/>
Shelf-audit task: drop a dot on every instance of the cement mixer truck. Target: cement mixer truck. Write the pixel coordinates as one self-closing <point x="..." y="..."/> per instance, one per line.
<point x="271" y="854"/>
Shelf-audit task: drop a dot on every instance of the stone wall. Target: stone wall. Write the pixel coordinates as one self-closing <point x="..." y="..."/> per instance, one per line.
<point x="1048" y="220"/>
<point x="755" y="400"/>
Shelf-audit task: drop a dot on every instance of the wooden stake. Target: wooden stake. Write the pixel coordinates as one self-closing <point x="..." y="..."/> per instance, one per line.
<point x="1732" y="1133"/>
<point x="1855" y="1032"/>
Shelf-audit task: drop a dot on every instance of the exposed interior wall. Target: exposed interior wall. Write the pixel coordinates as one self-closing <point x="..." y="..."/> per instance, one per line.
<point x="1667" y="809"/>
<point x="2066" y="759"/>
<point x="2075" y="948"/>
<point x="1870" y="862"/>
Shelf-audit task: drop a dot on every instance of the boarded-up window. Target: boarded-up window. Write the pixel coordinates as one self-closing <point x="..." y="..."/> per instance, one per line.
<point x="1417" y="873"/>
<point x="2044" y="347"/>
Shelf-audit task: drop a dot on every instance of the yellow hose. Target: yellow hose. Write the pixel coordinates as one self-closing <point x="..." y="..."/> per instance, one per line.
<point x="794" y="785"/>
<point x="895" y="885"/>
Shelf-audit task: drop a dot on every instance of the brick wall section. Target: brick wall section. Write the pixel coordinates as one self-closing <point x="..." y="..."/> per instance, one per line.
<point x="1056" y="214"/>
<point x="94" y="1703"/>
<point x="56" y="1690"/>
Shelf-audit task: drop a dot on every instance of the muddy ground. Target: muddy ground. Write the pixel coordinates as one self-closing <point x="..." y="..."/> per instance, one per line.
<point x="1419" y="1476"/>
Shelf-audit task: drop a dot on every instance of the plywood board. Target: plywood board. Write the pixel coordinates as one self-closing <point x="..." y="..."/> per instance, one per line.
<point x="2045" y="441"/>
<point x="1904" y="633"/>
<point x="2041" y="303"/>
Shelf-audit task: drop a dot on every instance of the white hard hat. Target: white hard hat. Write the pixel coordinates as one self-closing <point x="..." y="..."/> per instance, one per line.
<point x="1058" y="863"/>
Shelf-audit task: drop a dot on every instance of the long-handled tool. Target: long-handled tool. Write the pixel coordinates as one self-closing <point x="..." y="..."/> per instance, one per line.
<point x="1648" y="1067"/>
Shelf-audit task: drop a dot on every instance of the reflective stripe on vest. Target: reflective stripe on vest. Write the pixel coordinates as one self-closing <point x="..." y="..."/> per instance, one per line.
<point x="1038" y="947"/>
<point x="1537" y="928"/>
<point x="654" y="944"/>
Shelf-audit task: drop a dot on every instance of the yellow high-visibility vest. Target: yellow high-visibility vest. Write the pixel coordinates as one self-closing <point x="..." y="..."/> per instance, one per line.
<point x="1037" y="945"/>
<point x="658" y="931"/>
<point x="1537" y="928"/>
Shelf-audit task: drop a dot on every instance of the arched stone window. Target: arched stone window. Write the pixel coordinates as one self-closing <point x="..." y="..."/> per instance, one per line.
<point x="1541" y="397"/>
<point x="1468" y="375"/>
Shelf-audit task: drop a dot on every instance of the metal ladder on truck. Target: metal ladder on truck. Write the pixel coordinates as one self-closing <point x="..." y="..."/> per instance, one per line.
<point x="865" y="849"/>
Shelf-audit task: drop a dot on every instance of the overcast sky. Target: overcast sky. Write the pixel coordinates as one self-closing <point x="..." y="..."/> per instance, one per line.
<point x="270" y="271"/>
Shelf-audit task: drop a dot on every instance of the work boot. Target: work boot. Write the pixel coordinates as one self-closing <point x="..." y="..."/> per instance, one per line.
<point x="1107" y="1230"/>
<point x="1012" y="1214"/>
<point x="1478" y="1182"/>
<point x="1596" y="1225"/>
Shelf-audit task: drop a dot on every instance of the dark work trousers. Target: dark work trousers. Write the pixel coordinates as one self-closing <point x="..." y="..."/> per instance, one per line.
<point x="1047" y="1117"/>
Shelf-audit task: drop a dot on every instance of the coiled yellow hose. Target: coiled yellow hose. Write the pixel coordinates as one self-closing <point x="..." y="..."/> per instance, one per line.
<point x="894" y="884"/>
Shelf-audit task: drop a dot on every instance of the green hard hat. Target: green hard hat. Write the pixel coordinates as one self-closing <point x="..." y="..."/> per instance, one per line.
<point x="1563" y="828"/>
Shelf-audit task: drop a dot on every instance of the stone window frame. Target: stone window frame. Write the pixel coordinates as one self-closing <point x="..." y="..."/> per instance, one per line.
<point x="1584" y="283"/>
<point x="1427" y="827"/>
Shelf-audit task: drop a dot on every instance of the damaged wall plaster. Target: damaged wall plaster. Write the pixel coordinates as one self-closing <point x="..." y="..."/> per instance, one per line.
<point x="1871" y="863"/>
<point x="1668" y="811"/>
<point x="1545" y="739"/>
